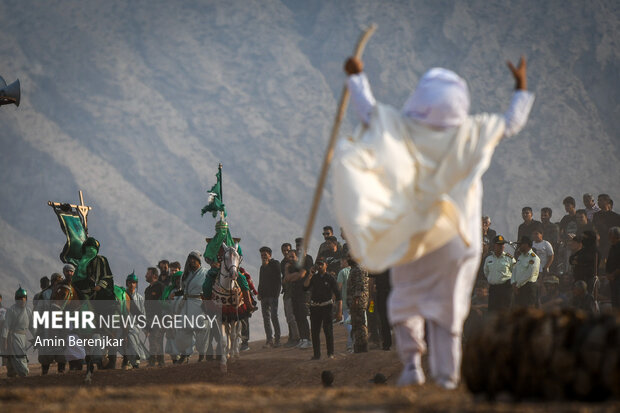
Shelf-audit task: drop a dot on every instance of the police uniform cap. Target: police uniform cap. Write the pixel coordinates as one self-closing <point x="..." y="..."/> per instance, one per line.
<point x="499" y="240"/>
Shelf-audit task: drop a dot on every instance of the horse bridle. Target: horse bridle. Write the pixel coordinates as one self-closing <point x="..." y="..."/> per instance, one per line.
<point x="68" y="297"/>
<point x="230" y="268"/>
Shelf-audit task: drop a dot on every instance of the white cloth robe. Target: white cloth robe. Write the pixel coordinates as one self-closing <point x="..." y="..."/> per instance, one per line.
<point x="192" y="307"/>
<point x="420" y="203"/>
<point x="134" y="347"/>
<point x="17" y="320"/>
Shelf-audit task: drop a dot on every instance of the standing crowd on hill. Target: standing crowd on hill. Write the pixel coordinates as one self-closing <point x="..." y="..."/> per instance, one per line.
<point x="574" y="262"/>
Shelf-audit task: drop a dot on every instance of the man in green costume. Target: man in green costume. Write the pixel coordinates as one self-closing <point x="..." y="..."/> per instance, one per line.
<point x="93" y="277"/>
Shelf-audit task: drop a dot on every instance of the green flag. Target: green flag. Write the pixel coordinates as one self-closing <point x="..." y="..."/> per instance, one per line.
<point x="216" y="201"/>
<point x="71" y="225"/>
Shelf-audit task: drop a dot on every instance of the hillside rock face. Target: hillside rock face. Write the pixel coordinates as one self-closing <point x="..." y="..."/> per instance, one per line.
<point x="136" y="103"/>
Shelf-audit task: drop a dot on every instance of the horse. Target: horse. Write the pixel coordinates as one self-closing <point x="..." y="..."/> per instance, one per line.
<point x="228" y="295"/>
<point x="65" y="297"/>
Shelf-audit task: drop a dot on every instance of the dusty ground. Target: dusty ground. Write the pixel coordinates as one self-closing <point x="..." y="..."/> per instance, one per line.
<point x="266" y="380"/>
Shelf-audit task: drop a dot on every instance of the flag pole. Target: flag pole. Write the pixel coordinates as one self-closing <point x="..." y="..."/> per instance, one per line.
<point x="329" y="153"/>
<point x="219" y="167"/>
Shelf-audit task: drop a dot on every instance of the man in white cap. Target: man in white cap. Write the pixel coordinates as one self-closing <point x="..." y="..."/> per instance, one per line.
<point x="408" y="194"/>
<point x="68" y="270"/>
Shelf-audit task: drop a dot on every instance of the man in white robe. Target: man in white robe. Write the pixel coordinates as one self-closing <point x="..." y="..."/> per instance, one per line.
<point x="409" y="193"/>
<point x="191" y="306"/>
<point x="13" y="338"/>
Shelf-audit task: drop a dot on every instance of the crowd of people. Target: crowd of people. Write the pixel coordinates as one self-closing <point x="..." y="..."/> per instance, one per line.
<point x="574" y="262"/>
<point x="571" y="263"/>
<point x="333" y="289"/>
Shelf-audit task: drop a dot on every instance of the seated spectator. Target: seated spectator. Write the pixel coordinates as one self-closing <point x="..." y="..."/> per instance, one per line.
<point x="552" y="298"/>
<point x="582" y="299"/>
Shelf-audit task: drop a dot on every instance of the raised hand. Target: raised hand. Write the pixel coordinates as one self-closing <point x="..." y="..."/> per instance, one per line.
<point x="353" y="66"/>
<point x="519" y="73"/>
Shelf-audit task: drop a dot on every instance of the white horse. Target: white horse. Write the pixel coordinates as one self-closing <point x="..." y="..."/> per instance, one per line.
<point x="227" y="295"/>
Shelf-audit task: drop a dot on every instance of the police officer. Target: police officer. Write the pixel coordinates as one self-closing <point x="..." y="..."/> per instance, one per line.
<point x="498" y="271"/>
<point x="525" y="275"/>
<point x="357" y="301"/>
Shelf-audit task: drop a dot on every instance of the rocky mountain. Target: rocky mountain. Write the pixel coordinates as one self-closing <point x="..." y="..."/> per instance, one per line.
<point x="136" y="103"/>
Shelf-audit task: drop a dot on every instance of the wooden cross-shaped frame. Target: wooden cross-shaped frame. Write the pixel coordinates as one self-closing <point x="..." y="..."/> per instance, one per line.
<point x="81" y="209"/>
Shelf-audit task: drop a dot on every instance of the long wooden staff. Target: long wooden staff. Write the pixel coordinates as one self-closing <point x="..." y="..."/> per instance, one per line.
<point x="342" y="107"/>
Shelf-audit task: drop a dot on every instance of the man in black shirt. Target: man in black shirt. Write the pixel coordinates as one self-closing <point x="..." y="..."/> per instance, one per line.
<point x="287" y="299"/>
<point x="551" y="233"/>
<point x="529" y="224"/>
<point x="613" y="266"/>
<point x="584" y="259"/>
<point x="308" y="260"/>
<point x="152" y="294"/>
<point x="164" y="272"/>
<point x="296" y="277"/>
<point x="328" y="232"/>
<point x="269" y="286"/>
<point x="382" y="292"/>
<point x="331" y="256"/>
<point x="568" y="223"/>
<point x="323" y="287"/>
<point x="603" y="221"/>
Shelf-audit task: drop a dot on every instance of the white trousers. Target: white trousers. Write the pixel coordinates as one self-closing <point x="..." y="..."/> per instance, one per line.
<point x="445" y="355"/>
<point x="436" y="288"/>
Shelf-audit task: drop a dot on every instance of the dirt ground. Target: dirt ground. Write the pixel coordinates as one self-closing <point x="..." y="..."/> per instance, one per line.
<point x="262" y="380"/>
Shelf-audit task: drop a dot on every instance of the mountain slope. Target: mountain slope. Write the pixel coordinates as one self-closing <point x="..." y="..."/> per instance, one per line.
<point x="136" y="104"/>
